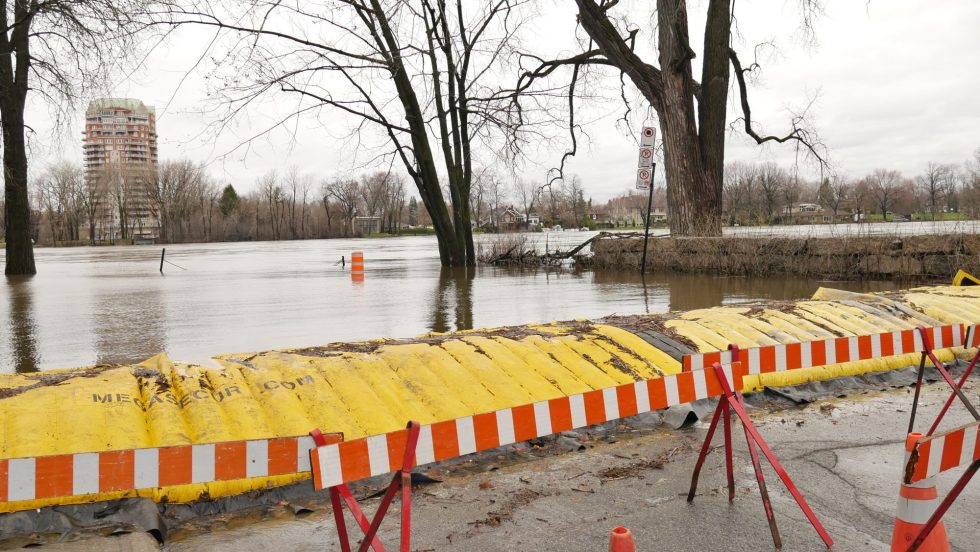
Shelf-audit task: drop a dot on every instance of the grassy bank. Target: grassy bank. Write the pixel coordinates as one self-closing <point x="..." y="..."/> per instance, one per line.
<point x="844" y="258"/>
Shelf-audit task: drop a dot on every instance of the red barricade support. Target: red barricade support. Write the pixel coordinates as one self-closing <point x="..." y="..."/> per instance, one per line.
<point x="732" y="399"/>
<point x="401" y="481"/>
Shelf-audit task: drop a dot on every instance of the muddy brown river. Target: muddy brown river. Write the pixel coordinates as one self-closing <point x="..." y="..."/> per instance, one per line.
<point x="91" y="305"/>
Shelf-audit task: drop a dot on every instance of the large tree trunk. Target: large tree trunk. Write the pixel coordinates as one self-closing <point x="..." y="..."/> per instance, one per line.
<point x="693" y="157"/>
<point x="20" y="251"/>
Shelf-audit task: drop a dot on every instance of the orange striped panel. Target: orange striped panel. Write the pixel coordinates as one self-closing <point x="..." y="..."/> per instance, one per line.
<point x="888" y="345"/>
<point x="561" y="414"/>
<point x="767" y="359"/>
<point x="922" y="466"/>
<point x="595" y="409"/>
<point x="116" y="470"/>
<point x="229" y="461"/>
<point x="864" y="346"/>
<point x="952" y="447"/>
<point x="524" y="426"/>
<point x="842" y="349"/>
<point x="396" y="449"/>
<point x="445" y="443"/>
<point x="626" y="397"/>
<point x="818" y="353"/>
<point x="282" y="456"/>
<point x="685" y="386"/>
<point x="947" y="333"/>
<point x="354" y="460"/>
<point x="714" y="386"/>
<point x="794" y="356"/>
<point x="53" y="476"/>
<point x="175" y="466"/>
<point x="658" y="393"/>
<point x="908" y="341"/>
<point x="3" y="480"/>
<point x="485" y="430"/>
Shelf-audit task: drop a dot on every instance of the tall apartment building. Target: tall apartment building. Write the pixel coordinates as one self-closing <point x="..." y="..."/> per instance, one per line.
<point x="119" y="148"/>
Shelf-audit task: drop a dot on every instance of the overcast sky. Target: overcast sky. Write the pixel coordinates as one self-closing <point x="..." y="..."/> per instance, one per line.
<point x="897" y="85"/>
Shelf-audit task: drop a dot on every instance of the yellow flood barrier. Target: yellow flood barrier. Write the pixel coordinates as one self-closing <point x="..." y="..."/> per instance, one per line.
<point x="363" y="389"/>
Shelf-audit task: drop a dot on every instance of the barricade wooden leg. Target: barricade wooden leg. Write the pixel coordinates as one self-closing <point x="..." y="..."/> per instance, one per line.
<point x="767" y="452"/>
<point x="949" y="401"/>
<point x="729" y="464"/>
<point x="954" y="493"/>
<point x="777" y="541"/>
<point x="338" y="517"/>
<point x="706" y="447"/>
<point x="918" y="389"/>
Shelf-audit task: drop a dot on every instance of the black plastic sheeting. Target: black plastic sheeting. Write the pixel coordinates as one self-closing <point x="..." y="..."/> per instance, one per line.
<point x="60" y="523"/>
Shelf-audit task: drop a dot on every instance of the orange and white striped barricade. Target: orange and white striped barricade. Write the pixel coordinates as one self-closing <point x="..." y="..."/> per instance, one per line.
<point x="972" y="340"/>
<point x="402" y="481"/>
<point x="927" y="353"/>
<point x="92" y="473"/>
<point x="731" y="399"/>
<point x="791" y="356"/>
<point x="932" y="455"/>
<point x="335" y="465"/>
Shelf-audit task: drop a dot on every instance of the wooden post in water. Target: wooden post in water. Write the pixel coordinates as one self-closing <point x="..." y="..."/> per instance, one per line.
<point x="162" y="255"/>
<point x="646" y="231"/>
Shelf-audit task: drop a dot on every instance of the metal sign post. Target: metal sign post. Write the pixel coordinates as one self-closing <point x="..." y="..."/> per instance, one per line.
<point x="646" y="230"/>
<point x="644" y="181"/>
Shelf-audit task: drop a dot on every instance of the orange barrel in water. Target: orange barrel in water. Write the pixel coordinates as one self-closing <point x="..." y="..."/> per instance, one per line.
<point x="357" y="266"/>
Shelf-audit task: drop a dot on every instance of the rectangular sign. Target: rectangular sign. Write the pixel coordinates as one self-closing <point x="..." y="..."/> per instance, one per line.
<point x="646" y="158"/>
<point x="643" y="179"/>
<point x="647" y="136"/>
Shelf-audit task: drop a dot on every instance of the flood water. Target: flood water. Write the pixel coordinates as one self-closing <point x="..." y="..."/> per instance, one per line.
<point x="91" y="305"/>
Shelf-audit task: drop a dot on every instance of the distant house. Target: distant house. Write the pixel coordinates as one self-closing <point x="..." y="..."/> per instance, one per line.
<point x="367" y="225"/>
<point x="533" y="220"/>
<point x="812" y="213"/>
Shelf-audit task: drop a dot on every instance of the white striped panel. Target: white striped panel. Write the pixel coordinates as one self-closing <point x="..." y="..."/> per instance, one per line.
<point x="377" y="447"/>
<point x="257" y="458"/>
<point x="729" y="376"/>
<point x="202" y="463"/>
<point x="918" y="341"/>
<point x="611" y="403"/>
<point x="542" y="418"/>
<point x="876" y="346"/>
<point x="670" y="384"/>
<point x="725" y="358"/>
<point x="853" y="351"/>
<point x="576" y="404"/>
<point x="897" y="343"/>
<point x="780" y="358"/>
<point x="146" y="468"/>
<point x="505" y="426"/>
<point x="642" y="397"/>
<point x="937" y="338"/>
<point x="304" y="445"/>
<point x="331" y="473"/>
<point x="85" y="469"/>
<point x="969" y="445"/>
<point x="21" y="475"/>
<point x="697" y="361"/>
<point x="935" y="456"/>
<point x="754" y="362"/>
<point x="425" y="454"/>
<point x="806" y="357"/>
<point x="465" y="435"/>
<point x="701" y="384"/>
<point x="830" y="350"/>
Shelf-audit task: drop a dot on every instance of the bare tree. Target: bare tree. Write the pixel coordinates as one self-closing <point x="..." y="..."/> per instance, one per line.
<point x="406" y="69"/>
<point x="934" y="184"/>
<point x="347" y="193"/>
<point x="772" y="180"/>
<point x="884" y="186"/>
<point x="692" y="115"/>
<point x="58" y="50"/>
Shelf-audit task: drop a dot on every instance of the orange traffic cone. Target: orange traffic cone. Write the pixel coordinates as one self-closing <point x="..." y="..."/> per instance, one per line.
<point x="916" y="503"/>
<point x="621" y="540"/>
